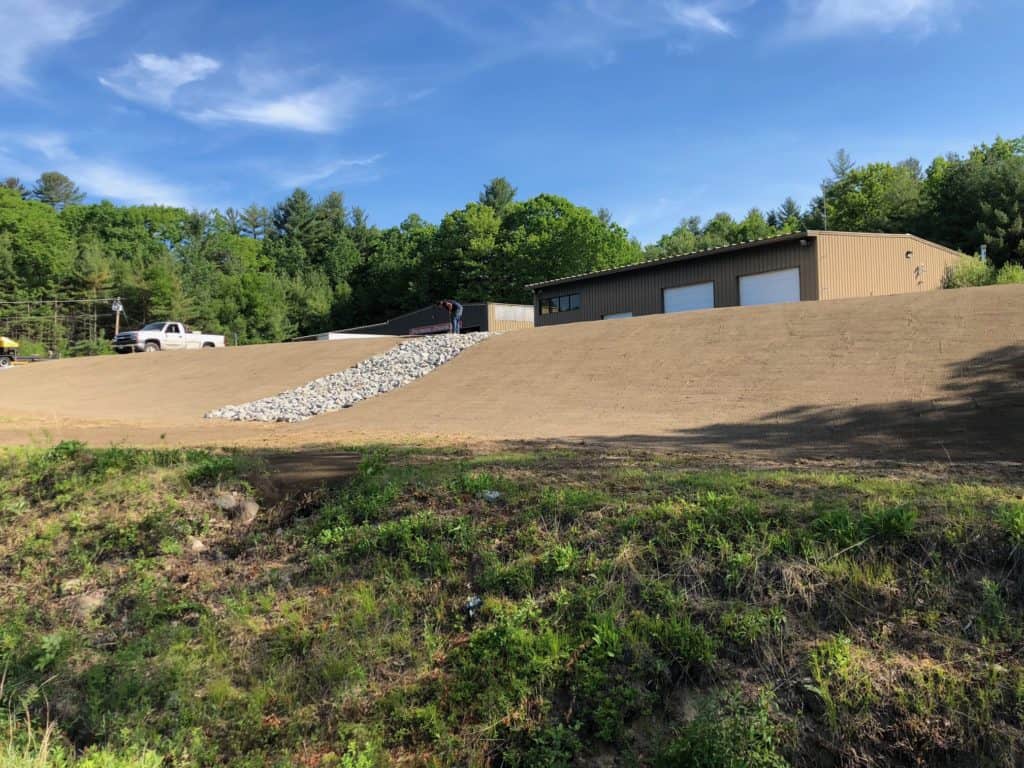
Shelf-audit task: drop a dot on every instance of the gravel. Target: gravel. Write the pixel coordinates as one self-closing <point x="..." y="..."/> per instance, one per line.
<point x="381" y="373"/>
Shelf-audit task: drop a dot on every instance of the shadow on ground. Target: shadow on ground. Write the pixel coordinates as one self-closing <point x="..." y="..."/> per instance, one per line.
<point x="979" y="418"/>
<point x="291" y="474"/>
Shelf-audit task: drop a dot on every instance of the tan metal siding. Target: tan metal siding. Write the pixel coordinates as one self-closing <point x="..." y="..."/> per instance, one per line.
<point x="852" y="265"/>
<point x="641" y="291"/>
<point x="499" y="317"/>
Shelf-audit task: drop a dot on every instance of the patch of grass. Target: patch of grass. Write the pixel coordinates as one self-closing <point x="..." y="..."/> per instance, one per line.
<point x="728" y="733"/>
<point x="407" y="618"/>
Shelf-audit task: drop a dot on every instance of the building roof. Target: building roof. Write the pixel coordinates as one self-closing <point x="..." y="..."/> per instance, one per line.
<point x="722" y="249"/>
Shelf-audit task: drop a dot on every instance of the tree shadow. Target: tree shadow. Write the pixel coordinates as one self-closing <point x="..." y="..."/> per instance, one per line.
<point x="979" y="418"/>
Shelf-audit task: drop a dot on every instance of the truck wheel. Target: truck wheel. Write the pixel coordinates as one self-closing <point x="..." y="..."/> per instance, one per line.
<point x="152" y="346"/>
<point x="207" y="345"/>
<point x="5" y="362"/>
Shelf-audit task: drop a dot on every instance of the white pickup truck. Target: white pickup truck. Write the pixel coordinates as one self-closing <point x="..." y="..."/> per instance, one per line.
<point x="154" y="337"/>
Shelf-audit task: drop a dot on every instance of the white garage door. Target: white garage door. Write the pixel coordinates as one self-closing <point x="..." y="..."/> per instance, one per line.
<point x="770" y="287"/>
<point x="687" y="297"/>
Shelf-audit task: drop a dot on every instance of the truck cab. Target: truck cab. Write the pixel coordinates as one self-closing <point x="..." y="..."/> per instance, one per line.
<point x="164" y="335"/>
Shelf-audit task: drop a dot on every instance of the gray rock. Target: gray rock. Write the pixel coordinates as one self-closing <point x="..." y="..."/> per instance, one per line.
<point x="86" y="605"/>
<point x="382" y="373"/>
<point x="226" y="502"/>
<point x="248" y="511"/>
<point x="195" y="545"/>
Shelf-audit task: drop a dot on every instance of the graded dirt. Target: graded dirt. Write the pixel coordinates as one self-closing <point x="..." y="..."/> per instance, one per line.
<point x="935" y="376"/>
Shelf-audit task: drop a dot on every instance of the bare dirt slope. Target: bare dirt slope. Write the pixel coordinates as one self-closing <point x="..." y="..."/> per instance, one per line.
<point x="143" y="396"/>
<point x="936" y="375"/>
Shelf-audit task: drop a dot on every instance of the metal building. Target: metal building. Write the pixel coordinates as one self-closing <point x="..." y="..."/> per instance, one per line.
<point x="480" y="316"/>
<point x="805" y="266"/>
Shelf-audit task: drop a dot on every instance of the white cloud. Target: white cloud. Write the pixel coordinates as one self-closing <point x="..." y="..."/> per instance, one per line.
<point x="260" y="95"/>
<point x="505" y="31"/>
<point x="320" y="110"/>
<point x="32" y="26"/>
<point x="126" y="185"/>
<point x="97" y="178"/>
<point x="52" y="146"/>
<point x="699" y="17"/>
<point x="329" y="170"/>
<point x="154" y="79"/>
<point x="826" y="18"/>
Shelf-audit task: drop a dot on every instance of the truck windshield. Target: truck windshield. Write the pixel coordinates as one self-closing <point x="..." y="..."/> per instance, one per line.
<point x="153" y="326"/>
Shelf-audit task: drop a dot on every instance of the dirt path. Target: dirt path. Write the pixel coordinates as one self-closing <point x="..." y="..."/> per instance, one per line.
<point x="936" y="376"/>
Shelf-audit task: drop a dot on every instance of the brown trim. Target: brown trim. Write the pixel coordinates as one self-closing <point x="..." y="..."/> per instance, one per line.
<point x="672" y="259"/>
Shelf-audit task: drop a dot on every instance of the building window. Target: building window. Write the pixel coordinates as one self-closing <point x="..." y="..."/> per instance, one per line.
<point x="567" y="303"/>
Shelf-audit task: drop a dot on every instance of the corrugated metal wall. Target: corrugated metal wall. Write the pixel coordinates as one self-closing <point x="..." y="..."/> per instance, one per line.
<point x="852" y="265"/>
<point x="640" y="291"/>
<point x="509" y="317"/>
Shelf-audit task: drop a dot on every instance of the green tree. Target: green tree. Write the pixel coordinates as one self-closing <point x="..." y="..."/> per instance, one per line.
<point x="57" y="190"/>
<point x="788" y="217"/>
<point x="13" y="182"/>
<point x="547" y="237"/>
<point x="681" y="240"/>
<point x="498" y="194"/>
<point x="254" y="221"/>
<point x="463" y="259"/>
<point x="38" y="253"/>
<point x="978" y="199"/>
<point x="878" y="197"/>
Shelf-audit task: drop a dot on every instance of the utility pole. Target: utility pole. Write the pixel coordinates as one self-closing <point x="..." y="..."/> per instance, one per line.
<point x="118" y="308"/>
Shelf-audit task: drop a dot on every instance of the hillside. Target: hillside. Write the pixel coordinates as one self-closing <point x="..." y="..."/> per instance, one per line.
<point x="630" y="610"/>
<point x="934" y="375"/>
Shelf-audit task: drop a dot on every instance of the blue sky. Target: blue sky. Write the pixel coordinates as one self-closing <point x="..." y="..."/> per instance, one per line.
<point x="655" y="109"/>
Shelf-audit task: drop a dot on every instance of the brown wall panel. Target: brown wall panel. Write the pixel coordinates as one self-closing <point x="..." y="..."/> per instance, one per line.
<point x="640" y="291"/>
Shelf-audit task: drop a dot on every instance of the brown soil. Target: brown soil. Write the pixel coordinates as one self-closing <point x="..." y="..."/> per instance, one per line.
<point x="935" y="376"/>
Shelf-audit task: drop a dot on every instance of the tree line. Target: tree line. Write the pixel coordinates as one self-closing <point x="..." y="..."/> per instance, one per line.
<point x="305" y="265"/>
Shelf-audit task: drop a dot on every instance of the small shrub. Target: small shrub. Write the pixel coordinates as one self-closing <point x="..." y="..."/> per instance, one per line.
<point x="838" y="679"/>
<point x="836" y="526"/>
<point x="1011" y="520"/>
<point x="889" y="523"/>
<point x="729" y="734"/>
<point x="553" y="746"/>
<point x="749" y="626"/>
<point x="967" y="272"/>
<point x="1010" y="274"/>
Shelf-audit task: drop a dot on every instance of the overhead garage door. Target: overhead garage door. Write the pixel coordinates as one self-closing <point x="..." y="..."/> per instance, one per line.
<point x="687" y="297"/>
<point x="770" y="287"/>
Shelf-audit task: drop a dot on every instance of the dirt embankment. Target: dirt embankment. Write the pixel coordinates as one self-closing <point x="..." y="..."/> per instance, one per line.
<point x="937" y="375"/>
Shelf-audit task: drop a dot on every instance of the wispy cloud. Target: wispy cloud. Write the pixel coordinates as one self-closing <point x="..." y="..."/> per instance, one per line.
<point x="251" y="93"/>
<point x="33" y="26"/>
<point x="97" y="178"/>
<point x="319" y="110"/>
<point x="504" y="31"/>
<point x="154" y="79"/>
<point x="699" y="17"/>
<point x="827" y="18"/>
<point x="362" y="169"/>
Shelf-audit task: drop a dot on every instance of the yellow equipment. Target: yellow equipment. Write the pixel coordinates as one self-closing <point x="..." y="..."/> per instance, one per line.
<point x="8" y="351"/>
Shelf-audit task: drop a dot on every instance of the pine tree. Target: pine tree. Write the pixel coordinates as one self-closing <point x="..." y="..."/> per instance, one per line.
<point x="58" y="190"/>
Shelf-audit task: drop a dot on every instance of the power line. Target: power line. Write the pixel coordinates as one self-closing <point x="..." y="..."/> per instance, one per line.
<point x="51" y="302"/>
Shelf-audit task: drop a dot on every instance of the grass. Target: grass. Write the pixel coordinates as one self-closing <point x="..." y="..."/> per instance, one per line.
<point x="635" y="612"/>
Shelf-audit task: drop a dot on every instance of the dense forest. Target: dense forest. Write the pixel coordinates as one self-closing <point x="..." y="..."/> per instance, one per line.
<point x="309" y="265"/>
